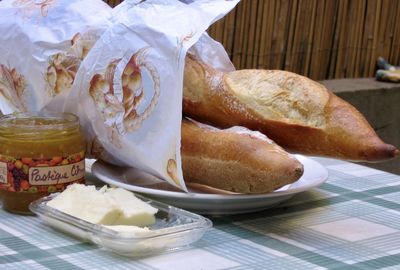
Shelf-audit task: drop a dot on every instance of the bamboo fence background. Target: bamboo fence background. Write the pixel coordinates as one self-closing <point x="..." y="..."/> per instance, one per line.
<point x="321" y="39"/>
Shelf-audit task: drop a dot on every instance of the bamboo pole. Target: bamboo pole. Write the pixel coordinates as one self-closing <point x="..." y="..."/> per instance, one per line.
<point x="359" y="41"/>
<point x="251" y="34"/>
<point x="280" y="35"/>
<point x="237" y="45"/>
<point x="395" y="49"/>
<point x="290" y="49"/>
<point x="263" y="19"/>
<point x="374" y="54"/>
<point x="310" y="43"/>
<point x="258" y="33"/>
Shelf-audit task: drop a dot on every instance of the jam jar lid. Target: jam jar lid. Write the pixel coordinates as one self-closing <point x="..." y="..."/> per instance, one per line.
<point x="19" y="124"/>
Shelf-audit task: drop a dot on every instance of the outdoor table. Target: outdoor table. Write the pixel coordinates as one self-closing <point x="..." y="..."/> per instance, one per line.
<point x="350" y="222"/>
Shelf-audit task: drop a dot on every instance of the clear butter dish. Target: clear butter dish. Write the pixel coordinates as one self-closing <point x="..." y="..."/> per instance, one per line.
<point x="174" y="228"/>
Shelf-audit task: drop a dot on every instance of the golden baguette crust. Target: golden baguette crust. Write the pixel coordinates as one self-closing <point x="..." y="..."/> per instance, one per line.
<point x="297" y="113"/>
<point x="236" y="159"/>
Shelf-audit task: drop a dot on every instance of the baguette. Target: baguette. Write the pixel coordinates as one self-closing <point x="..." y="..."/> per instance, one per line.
<point x="235" y="159"/>
<point x="299" y="114"/>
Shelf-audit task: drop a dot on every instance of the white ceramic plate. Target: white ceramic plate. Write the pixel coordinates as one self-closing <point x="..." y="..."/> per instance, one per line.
<point x="215" y="204"/>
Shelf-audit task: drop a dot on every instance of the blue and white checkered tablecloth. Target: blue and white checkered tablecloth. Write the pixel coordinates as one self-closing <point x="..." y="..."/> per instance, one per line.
<point x="350" y="222"/>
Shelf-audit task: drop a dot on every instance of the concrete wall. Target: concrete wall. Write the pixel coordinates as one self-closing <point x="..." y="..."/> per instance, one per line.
<point x="380" y="103"/>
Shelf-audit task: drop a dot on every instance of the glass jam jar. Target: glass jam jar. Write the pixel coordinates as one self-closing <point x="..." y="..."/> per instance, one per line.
<point x="40" y="153"/>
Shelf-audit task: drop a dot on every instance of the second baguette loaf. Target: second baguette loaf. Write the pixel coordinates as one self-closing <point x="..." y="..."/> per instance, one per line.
<point x="297" y="113"/>
<point x="235" y="159"/>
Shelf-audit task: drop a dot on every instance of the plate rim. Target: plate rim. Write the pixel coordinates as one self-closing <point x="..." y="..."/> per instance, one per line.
<point x="203" y="196"/>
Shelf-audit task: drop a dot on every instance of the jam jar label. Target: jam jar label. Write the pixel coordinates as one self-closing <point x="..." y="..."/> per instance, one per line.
<point x="3" y="173"/>
<point x="57" y="174"/>
<point x="41" y="175"/>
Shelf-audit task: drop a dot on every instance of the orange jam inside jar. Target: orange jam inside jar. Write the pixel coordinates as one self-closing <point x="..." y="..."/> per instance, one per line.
<point x="40" y="153"/>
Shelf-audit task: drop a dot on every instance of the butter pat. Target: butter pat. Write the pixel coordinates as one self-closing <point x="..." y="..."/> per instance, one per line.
<point x="86" y="203"/>
<point x="129" y="230"/>
<point x="134" y="210"/>
<point x="107" y="206"/>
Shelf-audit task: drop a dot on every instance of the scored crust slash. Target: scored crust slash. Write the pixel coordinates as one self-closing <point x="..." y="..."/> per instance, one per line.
<point x="63" y="66"/>
<point x="119" y="100"/>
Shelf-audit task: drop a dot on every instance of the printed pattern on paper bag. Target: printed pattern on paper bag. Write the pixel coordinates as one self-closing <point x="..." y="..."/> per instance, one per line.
<point x="118" y="102"/>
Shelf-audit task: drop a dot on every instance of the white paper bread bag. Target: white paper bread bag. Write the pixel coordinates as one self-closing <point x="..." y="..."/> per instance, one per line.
<point x="207" y="49"/>
<point x="212" y="53"/>
<point x="127" y="89"/>
<point x="42" y="44"/>
<point x="128" y="92"/>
